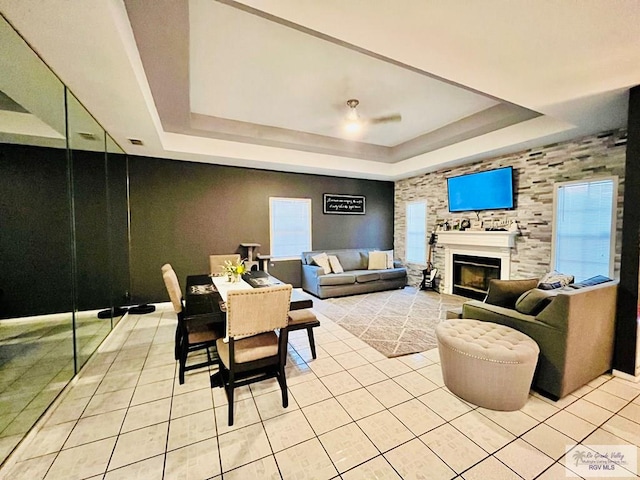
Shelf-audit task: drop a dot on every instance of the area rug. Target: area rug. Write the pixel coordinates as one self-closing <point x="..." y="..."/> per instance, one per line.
<point x="395" y="322"/>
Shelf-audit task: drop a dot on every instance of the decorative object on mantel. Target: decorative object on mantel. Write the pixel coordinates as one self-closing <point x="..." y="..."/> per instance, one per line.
<point x="499" y="225"/>
<point x="335" y="203"/>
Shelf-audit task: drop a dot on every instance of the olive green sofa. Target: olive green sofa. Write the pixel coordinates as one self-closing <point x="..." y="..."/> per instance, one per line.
<point x="574" y="327"/>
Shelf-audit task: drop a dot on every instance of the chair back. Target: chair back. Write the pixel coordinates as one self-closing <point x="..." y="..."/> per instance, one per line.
<point x="216" y="262"/>
<point x="173" y="288"/>
<point x="166" y="267"/>
<point x="258" y="310"/>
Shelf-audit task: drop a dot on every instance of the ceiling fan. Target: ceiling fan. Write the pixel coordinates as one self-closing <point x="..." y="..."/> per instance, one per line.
<point x="354" y="122"/>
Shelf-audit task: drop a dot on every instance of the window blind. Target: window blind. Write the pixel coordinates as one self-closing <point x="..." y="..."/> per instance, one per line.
<point x="290" y="226"/>
<point x="416" y="240"/>
<point x="584" y="229"/>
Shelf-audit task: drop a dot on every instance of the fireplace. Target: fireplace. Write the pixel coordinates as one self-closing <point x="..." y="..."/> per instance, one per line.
<point x="471" y="275"/>
<point x="493" y="247"/>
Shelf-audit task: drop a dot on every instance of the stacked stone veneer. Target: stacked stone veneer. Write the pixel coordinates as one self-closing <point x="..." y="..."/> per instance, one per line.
<point x="536" y="171"/>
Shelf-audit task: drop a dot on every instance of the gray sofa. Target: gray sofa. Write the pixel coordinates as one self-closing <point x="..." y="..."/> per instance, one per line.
<point x="573" y="326"/>
<point x="356" y="277"/>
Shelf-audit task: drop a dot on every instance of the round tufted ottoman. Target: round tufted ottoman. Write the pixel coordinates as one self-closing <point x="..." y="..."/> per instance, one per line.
<point x="487" y="364"/>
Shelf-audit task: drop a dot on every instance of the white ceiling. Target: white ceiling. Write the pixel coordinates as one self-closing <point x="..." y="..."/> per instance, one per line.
<point x="264" y="83"/>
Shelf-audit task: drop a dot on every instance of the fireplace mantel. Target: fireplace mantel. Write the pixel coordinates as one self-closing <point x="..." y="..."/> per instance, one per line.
<point x="479" y="238"/>
<point x="478" y="243"/>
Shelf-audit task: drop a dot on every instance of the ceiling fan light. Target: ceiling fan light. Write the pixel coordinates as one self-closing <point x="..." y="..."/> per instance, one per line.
<point x="353" y="126"/>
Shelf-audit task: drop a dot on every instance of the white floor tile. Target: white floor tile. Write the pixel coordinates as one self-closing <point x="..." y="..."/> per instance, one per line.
<point x="348" y="446"/>
<point x="150" y="469"/>
<point x="491" y="468"/>
<point x="385" y="430"/>
<point x="306" y="461"/>
<point x="139" y="445"/>
<point x="265" y="468"/>
<point x="377" y="468"/>
<point x="287" y="430"/>
<point x="190" y="429"/>
<point x="549" y="441"/>
<point x="326" y="415"/>
<point x="445" y="404"/>
<point x="414" y="460"/>
<point x="525" y="460"/>
<point x="359" y="403"/>
<point x="82" y="461"/>
<point x="193" y="462"/>
<point x="453" y="447"/>
<point x="484" y="432"/>
<point x="416" y="416"/>
<point x="243" y="446"/>
<point x="389" y="393"/>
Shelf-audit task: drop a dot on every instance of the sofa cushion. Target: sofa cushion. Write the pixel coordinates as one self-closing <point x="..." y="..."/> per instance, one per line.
<point x="505" y="293"/>
<point x="554" y="280"/>
<point x="389" y="258"/>
<point x="335" y="264"/>
<point x="378" y="260"/>
<point x="367" y="276"/>
<point x="322" y="260"/>
<point x="336" y="279"/>
<point x="393" y="273"/>
<point x="351" y="259"/>
<point x="534" y="301"/>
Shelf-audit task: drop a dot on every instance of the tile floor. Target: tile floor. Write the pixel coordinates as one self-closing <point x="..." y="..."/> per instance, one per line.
<point x="353" y="414"/>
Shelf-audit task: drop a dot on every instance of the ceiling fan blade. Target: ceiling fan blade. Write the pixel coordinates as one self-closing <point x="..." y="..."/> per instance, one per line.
<point x="396" y="117"/>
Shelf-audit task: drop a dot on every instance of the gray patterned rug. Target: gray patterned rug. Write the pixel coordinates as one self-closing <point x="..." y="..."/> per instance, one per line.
<point x="395" y="322"/>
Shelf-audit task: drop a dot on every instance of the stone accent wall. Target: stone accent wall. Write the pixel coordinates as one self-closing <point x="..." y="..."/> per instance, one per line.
<point x="535" y="173"/>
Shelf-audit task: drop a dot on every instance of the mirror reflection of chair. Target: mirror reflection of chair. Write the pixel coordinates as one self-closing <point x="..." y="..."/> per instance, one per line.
<point x="254" y="351"/>
<point x="216" y="262"/>
<point x="191" y="334"/>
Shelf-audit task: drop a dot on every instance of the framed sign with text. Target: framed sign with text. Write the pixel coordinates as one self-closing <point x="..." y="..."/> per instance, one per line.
<point x="344" y="204"/>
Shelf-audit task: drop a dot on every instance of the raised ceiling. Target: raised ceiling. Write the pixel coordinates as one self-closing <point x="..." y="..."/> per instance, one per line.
<point x="265" y="84"/>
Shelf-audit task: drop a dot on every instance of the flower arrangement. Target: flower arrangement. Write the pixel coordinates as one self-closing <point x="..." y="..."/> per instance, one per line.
<point x="234" y="270"/>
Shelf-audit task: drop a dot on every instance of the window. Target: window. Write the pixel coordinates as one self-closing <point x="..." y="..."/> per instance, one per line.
<point x="290" y="226"/>
<point x="584" y="227"/>
<point x="416" y="240"/>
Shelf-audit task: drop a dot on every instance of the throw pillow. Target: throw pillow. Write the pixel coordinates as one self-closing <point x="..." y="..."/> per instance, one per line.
<point x="377" y="260"/>
<point x="554" y="280"/>
<point x="322" y="260"/>
<point x="389" y="258"/>
<point x="335" y="264"/>
<point x="534" y="301"/>
<point x="589" y="282"/>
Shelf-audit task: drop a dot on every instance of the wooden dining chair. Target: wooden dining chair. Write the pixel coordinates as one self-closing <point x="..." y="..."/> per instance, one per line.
<point x="254" y="351"/>
<point x="191" y="334"/>
<point x="216" y="262"/>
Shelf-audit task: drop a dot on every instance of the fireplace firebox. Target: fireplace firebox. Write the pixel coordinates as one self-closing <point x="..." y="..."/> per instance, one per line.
<point x="471" y="275"/>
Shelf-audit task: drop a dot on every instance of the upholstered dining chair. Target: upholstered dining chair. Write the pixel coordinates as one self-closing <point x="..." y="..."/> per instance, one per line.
<point x="168" y="268"/>
<point x="191" y="335"/>
<point x="254" y="351"/>
<point x="216" y="262"/>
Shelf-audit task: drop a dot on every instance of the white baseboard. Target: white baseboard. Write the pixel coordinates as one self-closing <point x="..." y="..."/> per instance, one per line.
<point x="626" y="376"/>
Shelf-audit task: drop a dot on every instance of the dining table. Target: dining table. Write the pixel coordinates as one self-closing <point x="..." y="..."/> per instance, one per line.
<point x="205" y="298"/>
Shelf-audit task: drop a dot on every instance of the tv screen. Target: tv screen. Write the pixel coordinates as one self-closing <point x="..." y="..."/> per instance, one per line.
<point x="490" y="190"/>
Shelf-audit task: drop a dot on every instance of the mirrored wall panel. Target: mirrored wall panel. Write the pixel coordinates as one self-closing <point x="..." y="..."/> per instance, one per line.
<point x="63" y="237"/>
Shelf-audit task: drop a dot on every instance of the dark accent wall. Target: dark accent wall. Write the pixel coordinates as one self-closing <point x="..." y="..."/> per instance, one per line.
<point x="181" y="212"/>
<point x="35" y="237"/>
<point x="627" y="310"/>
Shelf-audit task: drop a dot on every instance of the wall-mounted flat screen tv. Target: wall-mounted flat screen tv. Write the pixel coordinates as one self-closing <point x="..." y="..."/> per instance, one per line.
<point x="489" y="190"/>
